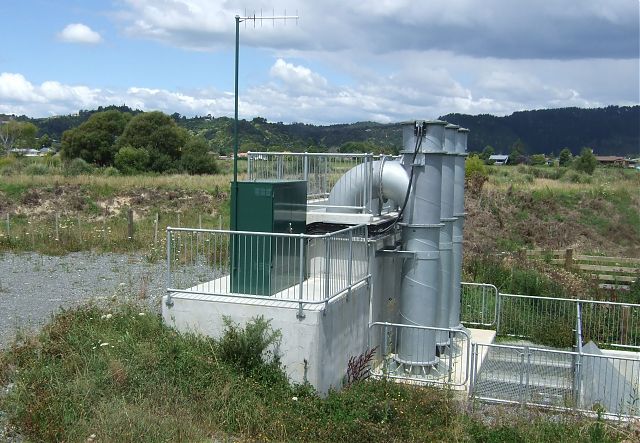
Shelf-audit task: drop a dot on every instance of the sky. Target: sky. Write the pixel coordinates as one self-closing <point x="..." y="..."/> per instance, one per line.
<point x="341" y="61"/>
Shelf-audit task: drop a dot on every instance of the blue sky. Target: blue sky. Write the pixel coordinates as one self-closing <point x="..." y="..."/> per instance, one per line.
<point x="382" y="60"/>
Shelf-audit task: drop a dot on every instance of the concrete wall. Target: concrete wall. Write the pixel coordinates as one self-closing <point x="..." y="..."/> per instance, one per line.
<point x="314" y="349"/>
<point x="605" y="381"/>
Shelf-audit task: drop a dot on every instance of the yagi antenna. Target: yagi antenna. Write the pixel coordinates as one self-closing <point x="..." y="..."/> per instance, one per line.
<point x="255" y="18"/>
<point x="239" y="19"/>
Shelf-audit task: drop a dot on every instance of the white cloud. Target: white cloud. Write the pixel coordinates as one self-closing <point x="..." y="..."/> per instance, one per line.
<point x="298" y="78"/>
<point x="79" y="33"/>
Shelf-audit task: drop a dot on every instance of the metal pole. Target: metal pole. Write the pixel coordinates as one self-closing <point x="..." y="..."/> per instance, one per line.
<point x="168" y="276"/>
<point x="235" y="131"/>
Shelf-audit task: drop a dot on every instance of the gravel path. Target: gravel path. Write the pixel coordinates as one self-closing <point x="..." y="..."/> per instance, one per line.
<point x="33" y="286"/>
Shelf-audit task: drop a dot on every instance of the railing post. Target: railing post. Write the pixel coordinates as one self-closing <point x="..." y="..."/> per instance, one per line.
<point x="498" y="311"/>
<point x="327" y="269"/>
<point x="473" y="368"/>
<point x="279" y="166"/>
<point x="523" y="370"/>
<point x="249" y="165"/>
<point x="305" y="167"/>
<point x="350" y="263"/>
<point x="300" y="315"/>
<point x="168" y="276"/>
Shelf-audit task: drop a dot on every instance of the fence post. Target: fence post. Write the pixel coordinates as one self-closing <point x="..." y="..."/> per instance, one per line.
<point x="568" y="259"/>
<point x="155" y="230"/>
<point x="57" y="221"/>
<point x="624" y="324"/>
<point x="130" y="224"/>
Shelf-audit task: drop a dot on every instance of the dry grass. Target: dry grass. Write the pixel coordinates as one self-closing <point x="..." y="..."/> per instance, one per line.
<point x="123" y="183"/>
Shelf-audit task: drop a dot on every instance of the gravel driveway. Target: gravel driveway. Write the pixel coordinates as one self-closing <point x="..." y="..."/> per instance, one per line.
<point x="33" y="286"/>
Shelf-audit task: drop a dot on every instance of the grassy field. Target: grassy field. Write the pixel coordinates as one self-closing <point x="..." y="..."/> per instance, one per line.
<point x="118" y="374"/>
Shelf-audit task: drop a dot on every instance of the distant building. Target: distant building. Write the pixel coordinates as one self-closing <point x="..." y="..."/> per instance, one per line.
<point x="612" y="160"/>
<point x="499" y="159"/>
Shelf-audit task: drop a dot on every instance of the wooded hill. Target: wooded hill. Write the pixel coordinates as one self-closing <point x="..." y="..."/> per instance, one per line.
<point x="614" y="130"/>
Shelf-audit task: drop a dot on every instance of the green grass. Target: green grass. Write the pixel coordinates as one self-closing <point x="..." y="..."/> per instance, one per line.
<point x="124" y="376"/>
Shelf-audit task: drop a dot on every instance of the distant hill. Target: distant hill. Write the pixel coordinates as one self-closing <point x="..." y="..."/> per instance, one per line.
<point x="609" y="131"/>
<point x="614" y="130"/>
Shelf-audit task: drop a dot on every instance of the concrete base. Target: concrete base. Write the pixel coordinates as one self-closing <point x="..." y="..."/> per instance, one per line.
<point x="314" y="349"/>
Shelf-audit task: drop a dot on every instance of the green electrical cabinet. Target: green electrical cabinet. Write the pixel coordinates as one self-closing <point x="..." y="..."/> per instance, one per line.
<point x="264" y="265"/>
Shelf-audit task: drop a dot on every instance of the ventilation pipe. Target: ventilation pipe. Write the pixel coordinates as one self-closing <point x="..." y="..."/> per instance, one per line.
<point x="389" y="181"/>
<point x="446" y="233"/>
<point x="458" y="224"/>
<point x="420" y="287"/>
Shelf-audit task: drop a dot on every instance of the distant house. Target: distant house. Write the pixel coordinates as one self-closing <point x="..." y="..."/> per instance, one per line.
<point x="612" y="160"/>
<point x="499" y="159"/>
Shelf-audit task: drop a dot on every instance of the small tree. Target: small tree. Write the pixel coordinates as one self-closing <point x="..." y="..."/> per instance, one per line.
<point x="565" y="157"/>
<point x="15" y="134"/>
<point x="586" y="162"/>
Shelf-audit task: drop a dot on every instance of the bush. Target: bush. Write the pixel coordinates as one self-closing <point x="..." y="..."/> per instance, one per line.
<point x="252" y="348"/>
<point x="110" y="172"/>
<point x="586" y="162"/>
<point x="475" y="166"/>
<point x="575" y="177"/>
<point x="77" y="166"/>
<point x="538" y="160"/>
<point x="36" y="169"/>
<point x="565" y="157"/>
<point x="131" y="160"/>
<point x="196" y="158"/>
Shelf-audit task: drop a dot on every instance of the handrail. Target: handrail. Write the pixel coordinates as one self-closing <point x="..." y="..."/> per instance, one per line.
<point x="267" y="234"/>
<point x="574" y="300"/>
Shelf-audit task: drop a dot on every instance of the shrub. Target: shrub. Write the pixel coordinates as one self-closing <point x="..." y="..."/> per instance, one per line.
<point x="586" y="162"/>
<point x="252" y="348"/>
<point x="565" y="157"/>
<point x="36" y="169"/>
<point x="196" y="159"/>
<point x="110" y="172"/>
<point x="131" y="160"/>
<point x="575" y="177"/>
<point x="77" y="166"/>
<point x="538" y="160"/>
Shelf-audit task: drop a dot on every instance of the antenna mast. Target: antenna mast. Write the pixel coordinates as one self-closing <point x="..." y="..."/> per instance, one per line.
<point x="240" y="19"/>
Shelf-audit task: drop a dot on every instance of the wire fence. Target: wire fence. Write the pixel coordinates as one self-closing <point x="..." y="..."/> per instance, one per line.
<point x="290" y="268"/>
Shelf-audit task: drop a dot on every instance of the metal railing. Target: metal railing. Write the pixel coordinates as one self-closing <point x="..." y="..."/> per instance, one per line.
<point x="296" y="269"/>
<point x="551" y="320"/>
<point x="452" y="370"/>
<point x="553" y="378"/>
<point x="321" y="171"/>
<point x="479" y="304"/>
